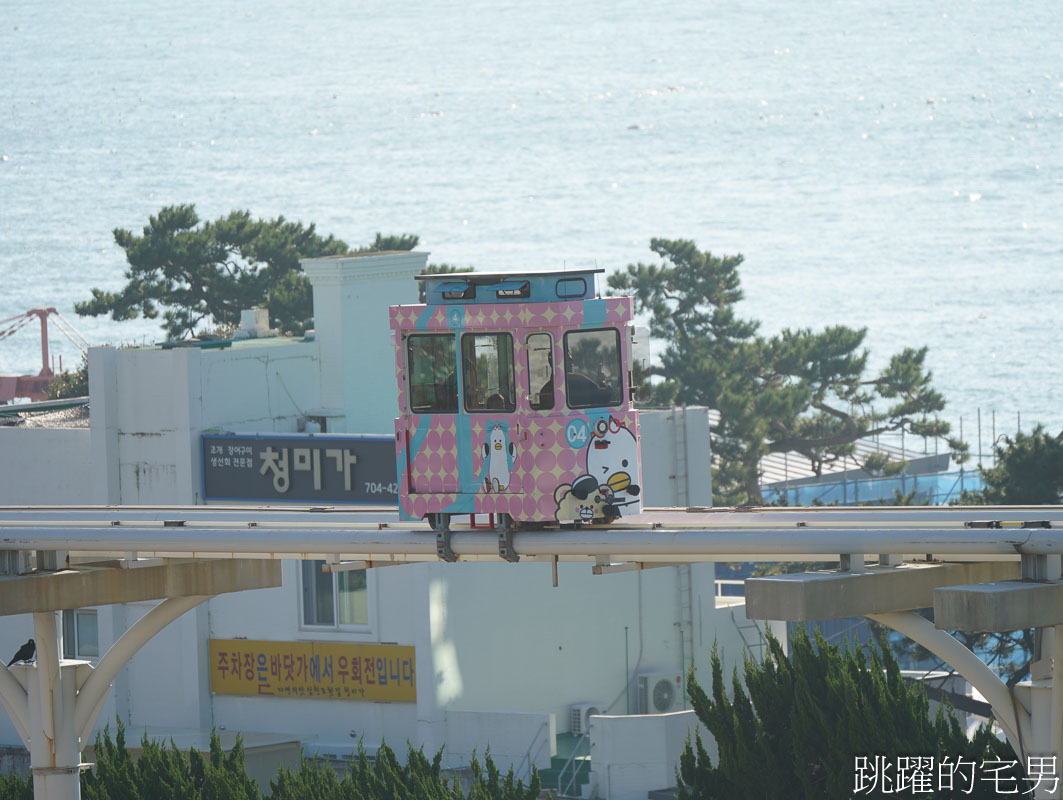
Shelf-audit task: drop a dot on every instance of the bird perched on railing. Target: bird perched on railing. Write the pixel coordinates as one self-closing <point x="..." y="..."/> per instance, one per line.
<point x="25" y="653"/>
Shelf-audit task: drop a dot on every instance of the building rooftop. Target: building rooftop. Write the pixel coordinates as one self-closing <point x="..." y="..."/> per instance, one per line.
<point x="34" y="416"/>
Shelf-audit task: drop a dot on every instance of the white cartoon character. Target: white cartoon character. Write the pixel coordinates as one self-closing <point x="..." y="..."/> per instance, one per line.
<point x="497" y="452"/>
<point x="612" y="468"/>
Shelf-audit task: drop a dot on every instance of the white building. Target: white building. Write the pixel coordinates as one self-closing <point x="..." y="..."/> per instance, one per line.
<point x="501" y="656"/>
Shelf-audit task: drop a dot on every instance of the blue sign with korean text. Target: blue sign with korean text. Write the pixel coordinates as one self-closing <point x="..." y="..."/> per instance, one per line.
<point x="299" y="468"/>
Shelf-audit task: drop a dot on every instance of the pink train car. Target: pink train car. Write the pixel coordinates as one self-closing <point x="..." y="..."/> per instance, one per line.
<point x="515" y="400"/>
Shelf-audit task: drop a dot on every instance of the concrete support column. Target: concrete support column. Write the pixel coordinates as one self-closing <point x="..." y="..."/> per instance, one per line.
<point x="55" y="762"/>
<point x="1038" y="696"/>
<point x="1057" y="694"/>
<point x="54" y="704"/>
<point x="103" y="397"/>
<point x="353" y="331"/>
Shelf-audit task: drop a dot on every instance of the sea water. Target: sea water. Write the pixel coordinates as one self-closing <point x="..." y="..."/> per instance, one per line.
<point x="894" y="166"/>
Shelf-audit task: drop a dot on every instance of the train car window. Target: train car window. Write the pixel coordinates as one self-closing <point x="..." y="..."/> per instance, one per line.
<point x="593" y="376"/>
<point x="569" y="288"/>
<point x="540" y="349"/>
<point x="487" y="372"/>
<point x="461" y="292"/>
<point x="432" y="370"/>
<point x="510" y="291"/>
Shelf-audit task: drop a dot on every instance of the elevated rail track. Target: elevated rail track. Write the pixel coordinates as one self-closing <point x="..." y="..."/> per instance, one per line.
<point x="195" y="552"/>
<point x="671" y="535"/>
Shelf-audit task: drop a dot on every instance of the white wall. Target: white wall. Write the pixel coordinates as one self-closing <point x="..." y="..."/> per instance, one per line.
<point x="511" y="736"/>
<point x="503" y="638"/>
<point x="154" y="404"/>
<point x="676" y="467"/>
<point x="45" y="466"/>
<point x="351" y="299"/>
<point x="634" y="755"/>
<point x="164" y="680"/>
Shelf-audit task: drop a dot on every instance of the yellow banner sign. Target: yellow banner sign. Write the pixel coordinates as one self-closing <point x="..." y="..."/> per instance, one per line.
<point x="381" y="672"/>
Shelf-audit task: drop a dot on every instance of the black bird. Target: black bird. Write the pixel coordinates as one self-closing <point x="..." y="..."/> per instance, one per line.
<point x="25" y="653"/>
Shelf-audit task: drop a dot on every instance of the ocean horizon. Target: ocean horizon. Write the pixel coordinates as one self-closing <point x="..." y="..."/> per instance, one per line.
<point x="891" y="167"/>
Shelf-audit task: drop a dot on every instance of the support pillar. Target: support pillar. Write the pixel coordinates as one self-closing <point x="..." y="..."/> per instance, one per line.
<point x="54" y="704"/>
<point x="1012" y="716"/>
<point x="55" y="762"/>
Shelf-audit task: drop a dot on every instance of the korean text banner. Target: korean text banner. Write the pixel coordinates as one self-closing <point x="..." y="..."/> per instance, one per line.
<point x="299" y="468"/>
<point x="380" y="672"/>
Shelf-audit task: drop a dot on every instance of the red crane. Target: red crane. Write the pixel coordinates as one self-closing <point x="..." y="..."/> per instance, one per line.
<point x="35" y="387"/>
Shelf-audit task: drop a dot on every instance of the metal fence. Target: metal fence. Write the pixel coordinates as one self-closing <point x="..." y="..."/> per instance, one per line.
<point x="935" y="489"/>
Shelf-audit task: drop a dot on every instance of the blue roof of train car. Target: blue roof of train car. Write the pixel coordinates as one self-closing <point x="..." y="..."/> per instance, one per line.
<point x="460" y="288"/>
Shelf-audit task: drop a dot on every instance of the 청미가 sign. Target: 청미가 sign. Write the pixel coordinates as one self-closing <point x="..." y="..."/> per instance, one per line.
<point x="337" y="671"/>
<point x="299" y="468"/>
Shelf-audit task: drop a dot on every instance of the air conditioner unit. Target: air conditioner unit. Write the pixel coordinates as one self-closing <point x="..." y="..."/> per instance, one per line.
<point x="580" y="716"/>
<point x="660" y="692"/>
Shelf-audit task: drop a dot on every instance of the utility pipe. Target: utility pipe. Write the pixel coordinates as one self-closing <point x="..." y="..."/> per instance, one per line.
<point x="324" y="540"/>
<point x="697" y="517"/>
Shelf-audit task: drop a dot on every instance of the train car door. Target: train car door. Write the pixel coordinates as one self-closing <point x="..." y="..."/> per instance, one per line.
<point x="489" y="405"/>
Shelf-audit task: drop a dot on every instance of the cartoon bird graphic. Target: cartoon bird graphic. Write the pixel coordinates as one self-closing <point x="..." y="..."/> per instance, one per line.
<point x="497" y="452"/>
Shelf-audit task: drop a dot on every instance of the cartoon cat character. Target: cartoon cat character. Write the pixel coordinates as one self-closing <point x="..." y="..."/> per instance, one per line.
<point x="571" y="508"/>
<point x="612" y="468"/>
<point x="497" y="451"/>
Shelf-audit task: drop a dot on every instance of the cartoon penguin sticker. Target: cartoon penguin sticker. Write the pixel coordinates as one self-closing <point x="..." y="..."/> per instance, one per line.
<point x="497" y="451"/>
<point x="612" y="468"/>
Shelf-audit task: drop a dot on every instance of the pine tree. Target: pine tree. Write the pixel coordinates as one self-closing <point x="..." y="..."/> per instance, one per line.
<point x="801" y="391"/>
<point x="199" y="274"/>
<point x="797" y="726"/>
<point x="16" y="787"/>
<point x="114" y="776"/>
<point x="1028" y="471"/>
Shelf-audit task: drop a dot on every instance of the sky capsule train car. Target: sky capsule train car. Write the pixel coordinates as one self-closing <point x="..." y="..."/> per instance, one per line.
<point x="515" y="400"/>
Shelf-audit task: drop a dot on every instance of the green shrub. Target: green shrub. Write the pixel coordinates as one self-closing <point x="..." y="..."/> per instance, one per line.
<point x="165" y="773"/>
<point x="797" y="726"/>
<point x="16" y="787"/>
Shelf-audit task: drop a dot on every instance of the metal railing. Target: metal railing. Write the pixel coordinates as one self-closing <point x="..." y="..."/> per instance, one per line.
<point x="563" y="791"/>
<point x="524" y="768"/>
<point x="759" y="642"/>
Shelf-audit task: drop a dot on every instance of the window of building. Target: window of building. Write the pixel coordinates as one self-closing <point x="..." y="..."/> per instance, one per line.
<point x="593" y="377"/>
<point x="431" y="368"/>
<point x="334" y="599"/>
<point x="81" y="633"/>
<point x="487" y="372"/>
<point x="540" y="349"/>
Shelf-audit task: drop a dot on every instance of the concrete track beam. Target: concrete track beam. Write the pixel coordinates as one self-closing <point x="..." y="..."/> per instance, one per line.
<point x="87" y="587"/>
<point x="1003" y="605"/>
<point x="809" y="596"/>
